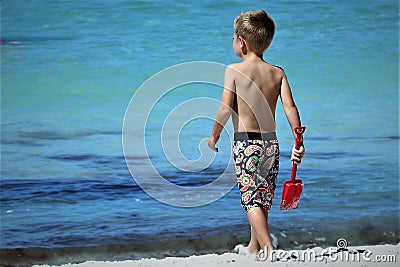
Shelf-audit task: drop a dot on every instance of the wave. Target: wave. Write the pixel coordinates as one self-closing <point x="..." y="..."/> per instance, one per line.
<point x="67" y="190"/>
<point x="349" y="138"/>
<point x="221" y="241"/>
<point x="12" y="134"/>
<point x="56" y="135"/>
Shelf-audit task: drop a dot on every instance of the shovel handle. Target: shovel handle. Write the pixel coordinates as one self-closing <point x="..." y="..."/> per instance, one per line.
<point x="298" y="130"/>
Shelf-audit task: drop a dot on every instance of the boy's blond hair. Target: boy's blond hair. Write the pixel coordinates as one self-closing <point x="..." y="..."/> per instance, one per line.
<point x="257" y="28"/>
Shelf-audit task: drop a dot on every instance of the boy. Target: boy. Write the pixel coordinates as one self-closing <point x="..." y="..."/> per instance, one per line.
<point x="251" y="91"/>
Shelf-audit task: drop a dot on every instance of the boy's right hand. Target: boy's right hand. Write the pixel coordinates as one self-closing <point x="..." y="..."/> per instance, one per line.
<point x="211" y="143"/>
<point x="297" y="154"/>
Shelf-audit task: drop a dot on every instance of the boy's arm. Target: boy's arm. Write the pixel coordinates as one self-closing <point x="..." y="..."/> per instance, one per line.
<point x="288" y="104"/>
<point x="225" y="110"/>
<point x="292" y="115"/>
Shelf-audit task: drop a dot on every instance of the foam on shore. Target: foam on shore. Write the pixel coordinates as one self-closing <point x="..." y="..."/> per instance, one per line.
<point x="388" y="255"/>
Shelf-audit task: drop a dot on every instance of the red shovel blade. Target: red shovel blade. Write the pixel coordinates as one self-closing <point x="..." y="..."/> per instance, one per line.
<point x="291" y="194"/>
<point x="292" y="188"/>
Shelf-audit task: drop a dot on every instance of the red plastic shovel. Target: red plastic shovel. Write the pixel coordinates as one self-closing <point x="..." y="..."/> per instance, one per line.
<point x="292" y="188"/>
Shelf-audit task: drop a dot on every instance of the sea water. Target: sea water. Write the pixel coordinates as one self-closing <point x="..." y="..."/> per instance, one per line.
<point x="70" y="68"/>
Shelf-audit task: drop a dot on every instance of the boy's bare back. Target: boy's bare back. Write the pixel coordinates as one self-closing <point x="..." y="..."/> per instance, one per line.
<point x="257" y="86"/>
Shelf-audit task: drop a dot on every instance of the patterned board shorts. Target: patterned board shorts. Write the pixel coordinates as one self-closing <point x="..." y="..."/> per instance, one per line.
<point x="256" y="158"/>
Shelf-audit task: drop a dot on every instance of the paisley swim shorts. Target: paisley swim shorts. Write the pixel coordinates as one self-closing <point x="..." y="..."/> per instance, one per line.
<point x="256" y="158"/>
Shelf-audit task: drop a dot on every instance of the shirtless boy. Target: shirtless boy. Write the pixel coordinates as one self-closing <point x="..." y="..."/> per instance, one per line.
<point x="251" y="92"/>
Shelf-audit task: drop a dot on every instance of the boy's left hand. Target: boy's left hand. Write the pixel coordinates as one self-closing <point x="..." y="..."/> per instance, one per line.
<point x="212" y="143"/>
<point x="297" y="155"/>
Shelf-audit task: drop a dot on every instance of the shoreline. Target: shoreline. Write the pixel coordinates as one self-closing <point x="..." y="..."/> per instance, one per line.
<point x="387" y="255"/>
<point x="179" y="247"/>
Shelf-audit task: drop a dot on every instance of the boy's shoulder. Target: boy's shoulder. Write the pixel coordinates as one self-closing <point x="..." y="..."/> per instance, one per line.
<point x="244" y="67"/>
<point x="236" y="66"/>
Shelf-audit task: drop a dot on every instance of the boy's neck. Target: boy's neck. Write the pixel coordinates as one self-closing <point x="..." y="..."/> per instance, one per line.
<point x="251" y="56"/>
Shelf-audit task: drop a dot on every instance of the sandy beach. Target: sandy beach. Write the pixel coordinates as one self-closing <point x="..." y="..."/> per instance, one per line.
<point x="380" y="255"/>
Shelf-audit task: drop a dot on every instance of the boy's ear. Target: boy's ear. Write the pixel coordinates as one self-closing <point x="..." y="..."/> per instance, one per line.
<point x="242" y="42"/>
<point x="243" y="45"/>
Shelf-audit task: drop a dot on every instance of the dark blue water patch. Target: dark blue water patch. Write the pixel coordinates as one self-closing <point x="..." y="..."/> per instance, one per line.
<point x="195" y="179"/>
<point x="321" y="138"/>
<point x="41" y="138"/>
<point x="43" y="135"/>
<point x="69" y="157"/>
<point x="101" y="164"/>
<point x="333" y="155"/>
<point x="27" y="40"/>
<point x="309" y="156"/>
<point x="389" y="137"/>
<point x="21" y="143"/>
<point x="350" y="138"/>
<point x="55" y="135"/>
<point x="97" y="159"/>
<point x="66" y="191"/>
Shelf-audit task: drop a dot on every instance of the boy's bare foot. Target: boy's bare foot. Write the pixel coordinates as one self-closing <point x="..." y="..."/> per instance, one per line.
<point x="242" y="250"/>
<point x="250" y="250"/>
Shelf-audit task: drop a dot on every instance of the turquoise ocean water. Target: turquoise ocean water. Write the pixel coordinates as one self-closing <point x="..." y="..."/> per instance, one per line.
<point x="70" y="68"/>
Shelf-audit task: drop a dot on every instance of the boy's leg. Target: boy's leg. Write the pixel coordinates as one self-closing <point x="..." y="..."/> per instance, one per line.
<point x="253" y="245"/>
<point x="258" y="219"/>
